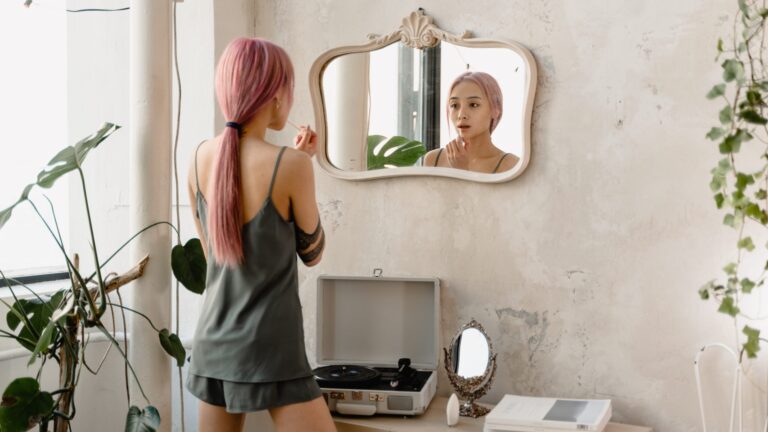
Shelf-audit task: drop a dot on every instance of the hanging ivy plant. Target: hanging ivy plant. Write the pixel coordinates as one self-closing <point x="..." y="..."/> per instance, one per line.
<point x="740" y="179"/>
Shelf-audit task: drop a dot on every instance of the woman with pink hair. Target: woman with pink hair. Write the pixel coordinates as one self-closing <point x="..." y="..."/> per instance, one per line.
<point x="474" y="108"/>
<point x="255" y="211"/>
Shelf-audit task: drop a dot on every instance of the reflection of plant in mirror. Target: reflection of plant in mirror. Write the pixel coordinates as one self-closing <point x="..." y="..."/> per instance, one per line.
<point x="740" y="184"/>
<point x="57" y="327"/>
<point x="397" y="151"/>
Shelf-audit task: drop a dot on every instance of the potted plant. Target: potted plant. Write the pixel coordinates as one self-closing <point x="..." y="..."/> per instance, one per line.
<point x="50" y="327"/>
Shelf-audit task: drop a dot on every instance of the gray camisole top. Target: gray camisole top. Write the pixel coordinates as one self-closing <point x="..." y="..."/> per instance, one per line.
<point x="250" y="327"/>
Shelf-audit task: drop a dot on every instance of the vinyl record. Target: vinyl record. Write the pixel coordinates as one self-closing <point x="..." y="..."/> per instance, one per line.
<point x="345" y="375"/>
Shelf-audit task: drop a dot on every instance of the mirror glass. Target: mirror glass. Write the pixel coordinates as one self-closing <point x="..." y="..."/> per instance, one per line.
<point x="470" y="353"/>
<point x="388" y="107"/>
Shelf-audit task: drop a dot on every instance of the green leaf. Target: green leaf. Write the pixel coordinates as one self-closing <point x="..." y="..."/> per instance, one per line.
<point x="747" y="285"/>
<point x="753" y="210"/>
<point x="733" y="69"/>
<point x="146" y="420"/>
<point x="763" y="12"/>
<point x="24" y="405"/>
<point x="38" y="316"/>
<point x="716" y="91"/>
<point x="43" y="342"/>
<point x="718" y="180"/>
<point x="751" y="116"/>
<point x="64" y="309"/>
<point x="746" y="243"/>
<point x="730" y="269"/>
<point x="396" y="151"/>
<point x="719" y="200"/>
<point x="62" y="163"/>
<point x="72" y="157"/>
<point x="754" y="98"/>
<point x="189" y="265"/>
<point x="752" y="345"/>
<point x="728" y="307"/>
<point x="719" y="45"/>
<point x="89" y="143"/>
<point x="729" y="220"/>
<point x="715" y="133"/>
<point x="743" y="180"/>
<point x="732" y="143"/>
<point x="761" y="194"/>
<point x="744" y="8"/>
<point x="172" y="345"/>
<point x="704" y="290"/>
<point x="724" y="165"/>
<point x="726" y="115"/>
<point x="5" y="215"/>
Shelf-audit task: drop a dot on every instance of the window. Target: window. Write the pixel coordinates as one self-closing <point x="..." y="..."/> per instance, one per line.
<point x="33" y="128"/>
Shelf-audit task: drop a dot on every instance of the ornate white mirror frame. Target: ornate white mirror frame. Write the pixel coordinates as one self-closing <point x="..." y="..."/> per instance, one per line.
<point x="418" y="31"/>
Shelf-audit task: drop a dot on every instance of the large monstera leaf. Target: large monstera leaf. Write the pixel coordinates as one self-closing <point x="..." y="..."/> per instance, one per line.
<point x="24" y="405"/>
<point x="67" y="160"/>
<point x="398" y="151"/>
<point x="35" y="317"/>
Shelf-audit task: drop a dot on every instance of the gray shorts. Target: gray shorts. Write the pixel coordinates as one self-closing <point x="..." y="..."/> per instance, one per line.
<point x="239" y="397"/>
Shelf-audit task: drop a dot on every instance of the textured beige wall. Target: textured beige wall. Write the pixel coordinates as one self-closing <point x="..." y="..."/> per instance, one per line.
<point x="585" y="269"/>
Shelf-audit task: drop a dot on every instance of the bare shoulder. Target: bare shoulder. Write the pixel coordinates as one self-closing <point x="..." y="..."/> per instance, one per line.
<point x="429" y="158"/>
<point x="509" y="162"/>
<point x="296" y="166"/>
<point x="198" y="163"/>
<point x="297" y="160"/>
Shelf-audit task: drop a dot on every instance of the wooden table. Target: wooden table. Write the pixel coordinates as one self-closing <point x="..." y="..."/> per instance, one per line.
<point x="433" y="421"/>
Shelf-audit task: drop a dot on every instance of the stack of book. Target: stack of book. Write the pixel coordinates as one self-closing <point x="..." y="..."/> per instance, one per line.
<point x="536" y="414"/>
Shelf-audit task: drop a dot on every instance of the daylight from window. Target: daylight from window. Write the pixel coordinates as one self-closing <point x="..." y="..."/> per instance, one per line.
<point x="33" y="125"/>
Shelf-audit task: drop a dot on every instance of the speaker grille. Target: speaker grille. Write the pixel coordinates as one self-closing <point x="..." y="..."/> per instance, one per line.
<point x="400" y="403"/>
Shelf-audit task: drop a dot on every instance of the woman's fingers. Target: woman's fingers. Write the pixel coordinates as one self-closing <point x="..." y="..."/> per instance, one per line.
<point x="306" y="140"/>
<point x="458" y="156"/>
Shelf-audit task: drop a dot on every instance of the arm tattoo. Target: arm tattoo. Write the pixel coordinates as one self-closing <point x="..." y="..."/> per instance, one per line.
<point x="313" y="253"/>
<point x="304" y="240"/>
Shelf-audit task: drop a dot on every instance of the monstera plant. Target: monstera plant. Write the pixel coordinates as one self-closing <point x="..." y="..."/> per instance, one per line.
<point x="396" y="151"/>
<point x="54" y="327"/>
<point x="740" y="179"/>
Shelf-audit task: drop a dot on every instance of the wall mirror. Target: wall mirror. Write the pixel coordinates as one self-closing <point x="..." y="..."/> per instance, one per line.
<point x="471" y="366"/>
<point x="382" y="107"/>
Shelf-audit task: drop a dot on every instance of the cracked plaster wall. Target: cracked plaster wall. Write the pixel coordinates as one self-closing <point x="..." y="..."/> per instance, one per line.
<point x="585" y="269"/>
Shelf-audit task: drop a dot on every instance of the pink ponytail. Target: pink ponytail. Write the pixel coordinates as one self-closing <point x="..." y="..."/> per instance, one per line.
<point x="249" y="74"/>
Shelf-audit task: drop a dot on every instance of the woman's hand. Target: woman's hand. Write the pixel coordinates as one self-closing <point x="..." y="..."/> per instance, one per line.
<point x="306" y="141"/>
<point x="458" y="154"/>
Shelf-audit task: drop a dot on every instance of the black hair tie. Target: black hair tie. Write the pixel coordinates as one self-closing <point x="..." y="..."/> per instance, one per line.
<point x="235" y="125"/>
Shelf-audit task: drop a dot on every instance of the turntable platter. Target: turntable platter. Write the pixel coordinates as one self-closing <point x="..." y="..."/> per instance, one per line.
<point x="346" y="375"/>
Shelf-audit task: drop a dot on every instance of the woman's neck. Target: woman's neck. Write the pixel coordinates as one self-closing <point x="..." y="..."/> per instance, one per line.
<point x="481" y="147"/>
<point x="256" y="129"/>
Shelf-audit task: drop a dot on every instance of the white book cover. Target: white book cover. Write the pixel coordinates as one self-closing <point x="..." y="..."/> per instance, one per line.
<point x="524" y="414"/>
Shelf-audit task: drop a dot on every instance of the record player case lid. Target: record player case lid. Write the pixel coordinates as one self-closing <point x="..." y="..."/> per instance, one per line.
<point x="374" y="321"/>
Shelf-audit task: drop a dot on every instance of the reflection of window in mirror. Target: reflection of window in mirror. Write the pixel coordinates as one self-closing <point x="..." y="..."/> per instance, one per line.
<point x="471" y="354"/>
<point x="397" y="89"/>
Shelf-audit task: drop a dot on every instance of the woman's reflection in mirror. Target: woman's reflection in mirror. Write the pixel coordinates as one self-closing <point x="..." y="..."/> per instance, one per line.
<point x="474" y="110"/>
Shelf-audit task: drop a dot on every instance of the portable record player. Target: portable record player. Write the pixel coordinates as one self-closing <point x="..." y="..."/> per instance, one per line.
<point x="377" y="343"/>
